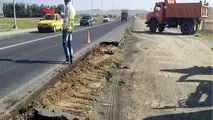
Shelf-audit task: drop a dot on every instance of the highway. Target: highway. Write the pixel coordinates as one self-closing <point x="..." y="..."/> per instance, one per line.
<point x="26" y="56"/>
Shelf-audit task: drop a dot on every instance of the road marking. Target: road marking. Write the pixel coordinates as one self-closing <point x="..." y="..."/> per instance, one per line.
<point x="35" y="40"/>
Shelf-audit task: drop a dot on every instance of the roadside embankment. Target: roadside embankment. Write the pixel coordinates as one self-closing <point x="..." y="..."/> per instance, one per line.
<point x="76" y="88"/>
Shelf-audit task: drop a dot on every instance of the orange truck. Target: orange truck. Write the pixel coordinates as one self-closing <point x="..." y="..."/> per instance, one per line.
<point x="172" y="15"/>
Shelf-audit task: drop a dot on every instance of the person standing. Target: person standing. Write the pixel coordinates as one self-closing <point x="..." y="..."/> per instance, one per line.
<point x="68" y="25"/>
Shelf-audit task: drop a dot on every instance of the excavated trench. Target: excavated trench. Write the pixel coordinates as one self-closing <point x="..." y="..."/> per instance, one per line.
<point x="76" y="89"/>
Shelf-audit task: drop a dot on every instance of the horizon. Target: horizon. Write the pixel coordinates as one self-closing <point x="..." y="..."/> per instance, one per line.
<point x="108" y="5"/>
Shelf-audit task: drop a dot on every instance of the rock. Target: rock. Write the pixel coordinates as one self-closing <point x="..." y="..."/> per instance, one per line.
<point x="122" y="82"/>
<point x="118" y="65"/>
<point x="23" y="110"/>
<point x="197" y="36"/>
<point x="127" y="66"/>
<point x="154" y="104"/>
<point x="52" y="114"/>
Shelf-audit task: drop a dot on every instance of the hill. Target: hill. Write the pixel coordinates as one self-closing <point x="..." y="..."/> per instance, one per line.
<point x="113" y="12"/>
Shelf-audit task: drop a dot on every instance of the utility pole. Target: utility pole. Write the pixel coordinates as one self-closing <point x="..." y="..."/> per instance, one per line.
<point x="103" y="6"/>
<point x="73" y="2"/>
<point x="14" y="12"/>
<point x="109" y="8"/>
<point x="92" y="6"/>
<point x="112" y="6"/>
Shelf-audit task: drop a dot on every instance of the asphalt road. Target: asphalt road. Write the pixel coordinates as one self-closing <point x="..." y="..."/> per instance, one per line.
<point x="26" y="56"/>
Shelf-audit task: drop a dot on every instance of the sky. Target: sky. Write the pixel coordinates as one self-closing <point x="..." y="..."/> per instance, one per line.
<point x="108" y="4"/>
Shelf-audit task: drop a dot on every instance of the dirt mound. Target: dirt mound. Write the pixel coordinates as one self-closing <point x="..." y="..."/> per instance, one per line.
<point x="76" y="90"/>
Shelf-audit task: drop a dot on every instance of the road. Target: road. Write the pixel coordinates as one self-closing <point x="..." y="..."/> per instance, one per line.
<point x="25" y="57"/>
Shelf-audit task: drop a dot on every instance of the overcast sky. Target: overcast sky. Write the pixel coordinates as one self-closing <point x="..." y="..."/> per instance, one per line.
<point x="108" y="4"/>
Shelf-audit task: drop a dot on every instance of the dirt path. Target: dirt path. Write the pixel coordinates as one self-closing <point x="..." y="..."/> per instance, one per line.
<point x="170" y="78"/>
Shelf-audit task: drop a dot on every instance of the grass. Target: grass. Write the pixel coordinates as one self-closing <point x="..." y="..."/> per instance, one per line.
<point x="98" y="18"/>
<point x="205" y="33"/>
<point x="6" y="24"/>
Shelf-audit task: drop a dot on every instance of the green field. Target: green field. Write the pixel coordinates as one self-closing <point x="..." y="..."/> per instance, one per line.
<point x="6" y="24"/>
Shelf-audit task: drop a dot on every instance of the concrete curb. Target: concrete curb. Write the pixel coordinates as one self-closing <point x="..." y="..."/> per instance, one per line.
<point x="49" y="77"/>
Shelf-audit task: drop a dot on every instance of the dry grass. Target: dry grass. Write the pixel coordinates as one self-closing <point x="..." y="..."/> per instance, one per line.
<point x="6" y="24"/>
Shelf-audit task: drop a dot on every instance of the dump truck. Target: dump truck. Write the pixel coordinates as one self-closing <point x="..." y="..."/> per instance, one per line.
<point x="124" y="15"/>
<point x="187" y="16"/>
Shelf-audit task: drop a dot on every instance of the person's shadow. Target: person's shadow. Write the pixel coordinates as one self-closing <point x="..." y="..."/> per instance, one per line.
<point x="32" y="61"/>
<point x="191" y="71"/>
<point x="202" y="97"/>
<point x="204" y="88"/>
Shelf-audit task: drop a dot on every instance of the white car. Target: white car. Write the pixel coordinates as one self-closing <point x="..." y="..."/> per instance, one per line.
<point x="106" y="19"/>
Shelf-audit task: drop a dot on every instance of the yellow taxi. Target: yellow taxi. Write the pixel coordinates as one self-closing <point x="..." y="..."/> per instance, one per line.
<point x="50" y="22"/>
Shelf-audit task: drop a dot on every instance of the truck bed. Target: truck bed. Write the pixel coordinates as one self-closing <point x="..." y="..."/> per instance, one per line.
<point x="186" y="10"/>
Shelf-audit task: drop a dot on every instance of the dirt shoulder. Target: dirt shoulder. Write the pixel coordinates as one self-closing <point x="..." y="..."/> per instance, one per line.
<point x="170" y="77"/>
<point x="77" y="89"/>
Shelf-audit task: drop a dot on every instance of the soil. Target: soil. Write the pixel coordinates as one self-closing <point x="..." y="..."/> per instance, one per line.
<point x="76" y="90"/>
<point x="170" y="77"/>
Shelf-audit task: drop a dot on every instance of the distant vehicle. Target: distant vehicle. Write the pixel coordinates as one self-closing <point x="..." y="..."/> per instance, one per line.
<point x="50" y="22"/>
<point x="106" y="18"/>
<point x="87" y="20"/>
<point x="169" y="13"/>
<point x="124" y="15"/>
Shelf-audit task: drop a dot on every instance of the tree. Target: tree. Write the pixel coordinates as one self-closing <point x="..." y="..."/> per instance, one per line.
<point x="4" y="9"/>
<point x="34" y="10"/>
<point x="29" y="11"/>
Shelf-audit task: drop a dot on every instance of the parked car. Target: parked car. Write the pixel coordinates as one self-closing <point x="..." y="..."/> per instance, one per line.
<point x="86" y="20"/>
<point x="50" y="22"/>
<point x="105" y="19"/>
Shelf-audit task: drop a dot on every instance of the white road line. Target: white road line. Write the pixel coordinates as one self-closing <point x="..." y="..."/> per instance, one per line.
<point x="35" y="40"/>
<point x="10" y="46"/>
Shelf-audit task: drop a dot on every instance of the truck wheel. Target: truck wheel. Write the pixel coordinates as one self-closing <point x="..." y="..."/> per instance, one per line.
<point x="195" y="28"/>
<point x="161" y="28"/>
<point x="153" y="26"/>
<point x="187" y="27"/>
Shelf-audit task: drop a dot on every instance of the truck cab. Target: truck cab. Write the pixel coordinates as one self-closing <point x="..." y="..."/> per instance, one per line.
<point x="124" y="15"/>
<point x="158" y="13"/>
